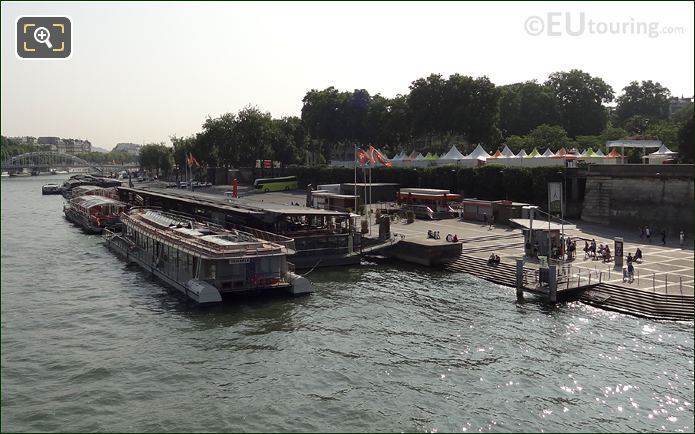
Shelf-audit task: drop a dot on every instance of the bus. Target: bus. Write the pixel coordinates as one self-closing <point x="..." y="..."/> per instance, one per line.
<point x="264" y="185"/>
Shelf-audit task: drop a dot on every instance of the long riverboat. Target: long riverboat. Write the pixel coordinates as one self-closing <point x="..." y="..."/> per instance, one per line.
<point x="202" y="260"/>
<point x="94" y="213"/>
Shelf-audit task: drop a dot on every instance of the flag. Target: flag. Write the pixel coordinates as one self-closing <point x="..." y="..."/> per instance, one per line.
<point x="362" y="156"/>
<point x="188" y="160"/>
<point x="193" y="160"/>
<point x="379" y="156"/>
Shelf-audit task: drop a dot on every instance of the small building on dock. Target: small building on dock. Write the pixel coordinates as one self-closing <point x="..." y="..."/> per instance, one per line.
<point x="540" y="237"/>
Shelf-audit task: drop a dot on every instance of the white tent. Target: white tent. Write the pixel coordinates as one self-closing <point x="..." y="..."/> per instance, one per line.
<point x="599" y="153"/>
<point x="521" y="154"/>
<point x="663" y="150"/>
<point x="548" y="153"/>
<point x="479" y="154"/>
<point x="419" y="157"/>
<point x="399" y="156"/>
<point x="453" y="154"/>
<point x="507" y="152"/>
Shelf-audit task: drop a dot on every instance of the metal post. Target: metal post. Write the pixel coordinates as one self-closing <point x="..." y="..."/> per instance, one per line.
<point x="653" y="282"/>
<point x="519" y="279"/>
<point x="666" y="279"/>
<point x="600" y="276"/>
<point x="680" y="284"/>
<point x="552" y="283"/>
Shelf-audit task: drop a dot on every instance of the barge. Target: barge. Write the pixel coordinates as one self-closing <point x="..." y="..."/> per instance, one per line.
<point x="93" y="213"/>
<point x="201" y="260"/>
<point x="50" y="189"/>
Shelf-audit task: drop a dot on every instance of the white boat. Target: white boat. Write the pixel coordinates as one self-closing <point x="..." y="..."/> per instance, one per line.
<point x="204" y="261"/>
<point x="4" y="174"/>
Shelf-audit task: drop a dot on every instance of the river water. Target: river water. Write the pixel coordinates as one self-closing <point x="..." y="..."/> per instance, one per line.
<point x="89" y="344"/>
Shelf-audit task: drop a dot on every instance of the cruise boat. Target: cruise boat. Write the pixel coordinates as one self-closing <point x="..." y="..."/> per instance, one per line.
<point x="50" y="189"/>
<point x="94" y="213"/>
<point x="5" y="174"/>
<point x="204" y="261"/>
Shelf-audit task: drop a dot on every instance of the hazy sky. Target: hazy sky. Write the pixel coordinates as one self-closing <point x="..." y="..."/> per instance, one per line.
<point x="143" y="72"/>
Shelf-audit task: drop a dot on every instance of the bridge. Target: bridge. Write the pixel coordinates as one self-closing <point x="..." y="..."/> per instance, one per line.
<point x="46" y="160"/>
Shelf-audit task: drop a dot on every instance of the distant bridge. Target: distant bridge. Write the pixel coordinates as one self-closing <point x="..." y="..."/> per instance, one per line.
<point x="46" y="160"/>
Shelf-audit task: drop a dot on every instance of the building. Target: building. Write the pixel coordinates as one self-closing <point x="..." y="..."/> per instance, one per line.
<point x="128" y="148"/>
<point x="67" y="146"/>
<point x="675" y="104"/>
<point x="24" y="140"/>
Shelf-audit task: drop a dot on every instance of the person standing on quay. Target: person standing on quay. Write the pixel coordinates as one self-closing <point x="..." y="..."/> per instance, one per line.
<point x="681" y="238"/>
<point x="648" y="234"/>
<point x="663" y="237"/>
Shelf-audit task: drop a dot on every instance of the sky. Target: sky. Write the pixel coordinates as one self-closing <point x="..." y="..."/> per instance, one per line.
<point x="143" y="72"/>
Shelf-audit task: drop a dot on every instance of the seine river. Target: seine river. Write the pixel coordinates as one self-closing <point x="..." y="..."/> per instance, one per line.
<point x="89" y="344"/>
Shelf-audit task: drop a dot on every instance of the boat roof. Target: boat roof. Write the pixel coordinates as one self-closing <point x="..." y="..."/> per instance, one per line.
<point x="201" y="239"/>
<point x="90" y="201"/>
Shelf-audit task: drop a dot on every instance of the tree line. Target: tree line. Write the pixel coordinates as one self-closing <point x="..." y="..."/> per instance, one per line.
<point x="570" y="109"/>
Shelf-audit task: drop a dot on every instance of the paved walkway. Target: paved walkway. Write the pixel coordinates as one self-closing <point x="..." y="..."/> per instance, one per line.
<point x="666" y="269"/>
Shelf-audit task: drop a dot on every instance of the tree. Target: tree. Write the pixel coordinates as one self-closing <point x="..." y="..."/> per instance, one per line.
<point x="685" y="140"/>
<point x="253" y="133"/>
<point x="649" y="100"/>
<point x="524" y="106"/>
<point x="547" y="136"/>
<point x="579" y="99"/>
<point x="636" y="124"/>
<point x="156" y="157"/>
<point x="288" y="140"/>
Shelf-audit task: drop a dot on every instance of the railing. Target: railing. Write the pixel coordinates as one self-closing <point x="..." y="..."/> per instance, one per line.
<point x="287" y="242"/>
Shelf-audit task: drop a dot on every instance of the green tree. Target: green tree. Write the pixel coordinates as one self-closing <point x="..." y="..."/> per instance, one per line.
<point x="524" y="106"/>
<point x="156" y="157"/>
<point x="579" y="98"/>
<point x="547" y="136"/>
<point x="648" y="99"/>
<point x="685" y="140"/>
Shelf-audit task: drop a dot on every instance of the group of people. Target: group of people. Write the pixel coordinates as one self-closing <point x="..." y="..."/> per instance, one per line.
<point x="493" y="259"/>
<point x="567" y="247"/>
<point x="603" y="252"/>
<point x="449" y="237"/>
<point x="629" y="270"/>
<point x="645" y="232"/>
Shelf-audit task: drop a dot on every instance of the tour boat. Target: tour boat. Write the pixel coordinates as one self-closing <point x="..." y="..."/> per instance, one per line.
<point x="204" y="261"/>
<point x="94" y="213"/>
<point x="50" y="189"/>
<point x="5" y="174"/>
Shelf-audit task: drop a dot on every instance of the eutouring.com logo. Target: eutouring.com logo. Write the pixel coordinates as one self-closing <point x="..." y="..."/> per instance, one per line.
<point x="577" y="24"/>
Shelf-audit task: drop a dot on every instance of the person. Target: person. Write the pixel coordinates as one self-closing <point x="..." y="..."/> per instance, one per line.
<point x="593" y="248"/>
<point x="625" y="277"/>
<point x="648" y="234"/>
<point x="630" y="272"/>
<point x="607" y="254"/>
<point x="497" y="259"/>
<point x="681" y="238"/>
<point x="492" y="222"/>
<point x="437" y="236"/>
<point x="638" y="254"/>
<point x="448" y="238"/>
<point x="663" y="237"/>
<point x="485" y="217"/>
<point x="456" y="238"/>
<point x="629" y="258"/>
<point x="491" y="259"/>
<point x="430" y="234"/>
<point x="586" y="249"/>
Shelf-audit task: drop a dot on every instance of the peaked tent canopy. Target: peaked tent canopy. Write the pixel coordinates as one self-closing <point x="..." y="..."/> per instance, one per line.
<point x="548" y="153"/>
<point x="614" y="154"/>
<point x="412" y="156"/>
<point x="453" y="154"/>
<point x="589" y="153"/>
<point x="599" y="153"/>
<point x="420" y="157"/>
<point x="431" y="156"/>
<point x="522" y="154"/>
<point x="507" y="152"/>
<point x="497" y="154"/>
<point x="663" y="150"/>
<point x="534" y="154"/>
<point x="479" y="154"/>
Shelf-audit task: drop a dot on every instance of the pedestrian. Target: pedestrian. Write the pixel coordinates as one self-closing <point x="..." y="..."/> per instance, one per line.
<point x="663" y="237"/>
<point x="630" y="272"/>
<point x="492" y="222"/>
<point x="485" y="217"/>
<point x="681" y="238"/>
<point x="648" y="234"/>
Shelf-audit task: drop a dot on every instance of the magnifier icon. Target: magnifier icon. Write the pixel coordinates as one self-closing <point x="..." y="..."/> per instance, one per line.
<point x="43" y="36"/>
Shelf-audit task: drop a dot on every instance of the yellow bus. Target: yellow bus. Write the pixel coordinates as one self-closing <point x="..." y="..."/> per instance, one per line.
<point x="264" y="185"/>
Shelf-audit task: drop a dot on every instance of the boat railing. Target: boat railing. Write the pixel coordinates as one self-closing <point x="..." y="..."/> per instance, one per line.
<point x="201" y="246"/>
<point x="287" y="242"/>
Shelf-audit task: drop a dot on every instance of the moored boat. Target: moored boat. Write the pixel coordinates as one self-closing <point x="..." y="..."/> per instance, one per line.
<point x="204" y="261"/>
<point x="94" y="213"/>
<point x="50" y="189"/>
